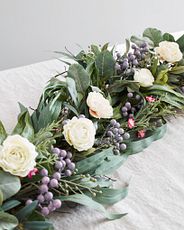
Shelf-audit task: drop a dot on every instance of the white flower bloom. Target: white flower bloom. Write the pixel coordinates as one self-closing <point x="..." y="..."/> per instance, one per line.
<point x="169" y="51"/>
<point x="99" y="107"/>
<point x="144" y="77"/>
<point x="17" y="155"/>
<point x="80" y="132"/>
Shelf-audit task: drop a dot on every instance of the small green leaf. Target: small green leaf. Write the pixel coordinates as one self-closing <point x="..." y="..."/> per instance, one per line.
<point x="105" y="64"/>
<point x="180" y="42"/>
<point x="87" y="201"/>
<point x="24" y="126"/>
<point x="162" y="77"/>
<point x="10" y="204"/>
<point x="111" y="196"/>
<point x="154" y="35"/>
<point x="38" y="225"/>
<point x="177" y="70"/>
<point x="26" y="211"/>
<point x="72" y="90"/>
<point x="3" y="133"/>
<point x="1" y="197"/>
<point x="7" y="221"/>
<point x="168" y="37"/>
<point x="9" y="184"/>
<point x="80" y="76"/>
<point x="95" y="49"/>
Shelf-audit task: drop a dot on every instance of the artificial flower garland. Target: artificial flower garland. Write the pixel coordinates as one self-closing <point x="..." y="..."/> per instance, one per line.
<point x="106" y="106"/>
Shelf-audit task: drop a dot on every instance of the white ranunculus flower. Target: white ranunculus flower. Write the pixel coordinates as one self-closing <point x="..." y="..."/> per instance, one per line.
<point x="169" y="51"/>
<point x="99" y="107"/>
<point x="144" y="77"/>
<point x="80" y="132"/>
<point x="17" y="155"/>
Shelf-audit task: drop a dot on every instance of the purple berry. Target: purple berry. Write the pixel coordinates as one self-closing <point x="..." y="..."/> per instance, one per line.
<point x="124" y="109"/>
<point x="51" y="207"/>
<point x="45" y="180"/>
<point x="45" y="211"/>
<point x="113" y="122"/>
<point x="63" y="153"/>
<point x="56" y="151"/>
<point x="40" y="198"/>
<point x="126" y="136"/>
<point x="69" y="155"/>
<point x="57" y="203"/>
<point x="121" y="131"/>
<point x="125" y="114"/>
<point x="109" y="133"/>
<point x="43" y="188"/>
<point x="138" y="97"/>
<point x="71" y="166"/>
<point x="130" y="95"/>
<point x="68" y="172"/>
<point x="53" y="183"/>
<point x="117" y="125"/>
<point x="68" y="161"/>
<point x="123" y="147"/>
<point x="28" y="202"/>
<point x="44" y="172"/>
<point x="135" y="62"/>
<point x="182" y="89"/>
<point x="58" y="165"/>
<point x="128" y="105"/>
<point x="57" y="176"/>
<point x="48" y="196"/>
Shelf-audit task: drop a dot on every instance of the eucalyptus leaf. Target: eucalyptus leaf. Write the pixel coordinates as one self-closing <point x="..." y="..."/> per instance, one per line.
<point x="180" y="42"/>
<point x="7" y="221"/>
<point x="8" y="205"/>
<point x="1" y="197"/>
<point x="38" y="225"/>
<point x="87" y="201"/>
<point x="105" y="64"/>
<point x="26" y="211"/>
<point x="168" y="37"/>
<point x="80" y="76"/>
<point x="9" y="184"/>
<point x="3" y="133"/>
<point x="154" y="35"/>
<point x="110" y="196"/>
<point x="72" y="90"/>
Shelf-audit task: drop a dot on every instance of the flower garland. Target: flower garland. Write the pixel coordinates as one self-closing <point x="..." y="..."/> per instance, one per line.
<point x="105" y="107"/>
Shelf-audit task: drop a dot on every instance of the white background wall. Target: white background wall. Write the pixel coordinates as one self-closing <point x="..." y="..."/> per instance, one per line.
<point x="31" y="29"/>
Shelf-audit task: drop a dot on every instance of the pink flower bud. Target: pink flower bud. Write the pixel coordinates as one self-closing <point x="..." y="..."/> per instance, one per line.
<point x="32" y="173"/>
<point x="141" y="133"/>
<point x="131" y="123"/>
<point x="150" y="99"/>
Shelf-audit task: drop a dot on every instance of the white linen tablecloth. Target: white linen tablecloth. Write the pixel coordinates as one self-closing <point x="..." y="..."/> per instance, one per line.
<point x="156" y="175"/>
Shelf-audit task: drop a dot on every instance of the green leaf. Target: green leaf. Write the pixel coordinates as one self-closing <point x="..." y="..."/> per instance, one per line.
<point x="3" y="133"/>
<point x="24" y="126"/>
<point x="105" y="64"/>
<point x="38" y="225"/>
<point x="110" y="164"/>
<point x="154" y="66"/>
<point x="162" y="77"/>
<point x="26" y="211"/>
<point x="177" y="70"/>
<point x="92" y="162"/>
<point x="87" y="201"/>
<point x="80" y="76"/>
<point x="1" y="197"/>
<point x="139" y="41"/>
<point x="110" y="196"/>
<point x="9" y="184"/>
<point x="10" y="204"/>
<point x="154" y="35"/>
<point x="180" y="42"/>
<point x="72" y="90"/>
<point x="7" y="221"/>
<point x="168" y="37"/>
<point x="95" y="49"/>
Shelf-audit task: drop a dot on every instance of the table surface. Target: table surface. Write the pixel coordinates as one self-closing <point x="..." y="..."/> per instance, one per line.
<point x="156" y="175"/>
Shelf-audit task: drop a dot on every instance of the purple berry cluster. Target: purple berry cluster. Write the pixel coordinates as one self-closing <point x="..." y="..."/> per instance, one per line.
<point x="132" y="59"/>
<point x="132" y="105"/>
<point x="64" y="167"/>
<point x="116" y="136"/>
